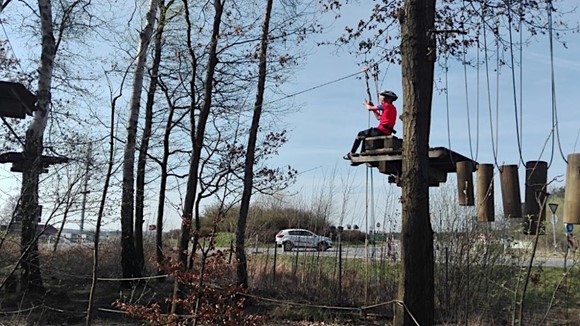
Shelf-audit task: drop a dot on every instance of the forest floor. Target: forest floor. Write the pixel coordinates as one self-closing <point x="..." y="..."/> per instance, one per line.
<point x="67" y="305"/>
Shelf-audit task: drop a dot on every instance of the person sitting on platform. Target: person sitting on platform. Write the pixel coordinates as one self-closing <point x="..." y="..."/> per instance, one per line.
<point x="386" y="113"/>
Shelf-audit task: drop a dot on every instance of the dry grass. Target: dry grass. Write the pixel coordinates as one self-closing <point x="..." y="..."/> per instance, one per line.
<point x="296" y="289"/>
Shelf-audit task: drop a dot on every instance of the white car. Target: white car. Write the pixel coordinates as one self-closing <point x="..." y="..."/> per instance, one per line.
<point x="300" y="238"/>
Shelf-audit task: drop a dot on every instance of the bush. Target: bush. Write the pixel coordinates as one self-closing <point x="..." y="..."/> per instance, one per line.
<point x="353" y="236"/>
<point x="264" y="223"/>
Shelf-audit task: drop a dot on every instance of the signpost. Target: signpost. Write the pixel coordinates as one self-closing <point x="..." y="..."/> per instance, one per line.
<point x="553" y="208"/>
<point x="570" y="237"/>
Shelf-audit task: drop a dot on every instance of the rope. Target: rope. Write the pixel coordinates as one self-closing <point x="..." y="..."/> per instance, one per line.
<point x="553" y="82"/>
<point x="323" y="84"/>
<point x="367" y="173"/>
<point x="521" y="73"/>
<point x="467" y="96"/>
<point x="366" y="71"/>
<point x="446" y="67"/>
<point x="477" y="102"/>
<point x="514" y="83"/>
<point x="297" y="304"/>
<point x="366" y="234"/>
<point x="13" y="131"/>
<point x="373" y="214"/>
<point x="313" y="88"/>
<point x="489" y="95"/>
<point x="497" y="73"/>
<point x="376" y="79"/>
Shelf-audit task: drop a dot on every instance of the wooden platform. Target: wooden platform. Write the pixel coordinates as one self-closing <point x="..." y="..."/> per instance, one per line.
<point x="386" y="154"/>
<point x="17" y="159"/>
<point x="15" y="100"/>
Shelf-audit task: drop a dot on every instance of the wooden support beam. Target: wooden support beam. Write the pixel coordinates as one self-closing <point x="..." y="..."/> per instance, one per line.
<point x="389" y="160"/>
<point x="18" y="160"/>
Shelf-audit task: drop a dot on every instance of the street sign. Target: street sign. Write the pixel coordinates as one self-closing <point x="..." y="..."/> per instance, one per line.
<point x="554" y="219"/>
<point x="569" y="228"/>
<point x="553" y="207"/>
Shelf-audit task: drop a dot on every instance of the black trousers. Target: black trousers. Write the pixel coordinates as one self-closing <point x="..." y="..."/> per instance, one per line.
<point x="371" y="132"/>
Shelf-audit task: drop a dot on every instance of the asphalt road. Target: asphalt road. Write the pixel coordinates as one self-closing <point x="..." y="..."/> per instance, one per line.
<point x="519" y="258"/>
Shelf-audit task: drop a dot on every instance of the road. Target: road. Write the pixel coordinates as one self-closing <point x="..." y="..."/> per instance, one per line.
<point x="519" y="258"/>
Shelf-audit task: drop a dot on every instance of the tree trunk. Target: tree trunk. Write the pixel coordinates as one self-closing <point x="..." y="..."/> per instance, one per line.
<point x="143" y="150"/>
<point x="90" y="310"/>
<point x="416" y="288"/>
<point x="198" y="130"/>
<point x="197" y="134"/>
<point x="129" y="264"/>
<point x="242" y="273"/>
<point x="31" y="279"/>
<point x="162" y="188"/>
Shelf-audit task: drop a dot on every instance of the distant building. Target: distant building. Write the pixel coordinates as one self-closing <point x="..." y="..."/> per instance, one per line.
<point x="42" y="229"/>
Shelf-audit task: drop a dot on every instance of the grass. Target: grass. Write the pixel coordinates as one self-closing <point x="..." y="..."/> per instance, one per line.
<point x="224" y="239"/>
<point x="310" y="278"/>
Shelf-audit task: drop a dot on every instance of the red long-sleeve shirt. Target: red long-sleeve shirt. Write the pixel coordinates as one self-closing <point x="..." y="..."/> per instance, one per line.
<point x="388" y="117"/>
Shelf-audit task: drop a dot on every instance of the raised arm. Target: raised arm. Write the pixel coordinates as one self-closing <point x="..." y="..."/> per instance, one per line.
<point x="374" y="109"/>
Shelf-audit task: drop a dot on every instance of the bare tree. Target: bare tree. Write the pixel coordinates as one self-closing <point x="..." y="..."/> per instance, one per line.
<point x="105" y="192"/>
<point x="129" y="259"/>
<point x="31" y="277"/>
<point x="144" y="147"/>
<point x="198" y="125"/>
<point x="249" y="166"/>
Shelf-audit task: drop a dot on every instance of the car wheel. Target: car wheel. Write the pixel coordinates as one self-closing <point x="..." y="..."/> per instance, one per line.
<point x="288" y="246"/>
<point x="322" y="246"/>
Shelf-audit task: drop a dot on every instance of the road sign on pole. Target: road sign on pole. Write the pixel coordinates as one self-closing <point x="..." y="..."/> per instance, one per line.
<point x="553" y="207"/>
<point x="554" y="221"/>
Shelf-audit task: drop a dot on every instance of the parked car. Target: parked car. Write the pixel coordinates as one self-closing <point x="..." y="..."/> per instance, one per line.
<point x="300" y="238"/>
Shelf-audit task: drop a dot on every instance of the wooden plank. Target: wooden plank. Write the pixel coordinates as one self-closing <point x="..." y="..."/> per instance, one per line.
<point x="389" y="161"/>
<point x="382" y="142"/>
<point x="18" y="160"/>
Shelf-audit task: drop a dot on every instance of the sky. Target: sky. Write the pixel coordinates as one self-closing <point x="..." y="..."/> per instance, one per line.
<point x="323" y="130"/>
